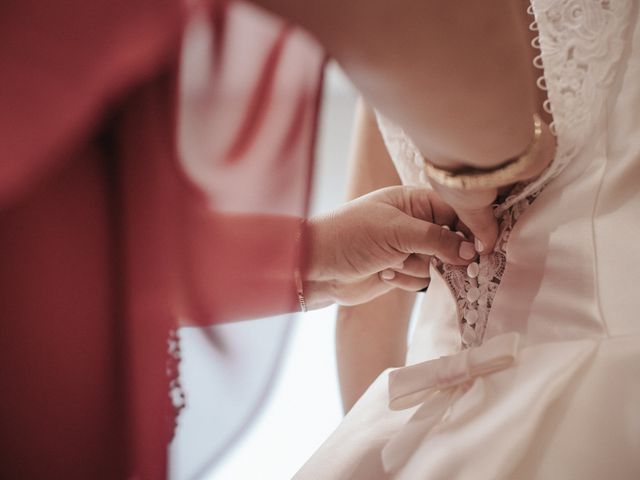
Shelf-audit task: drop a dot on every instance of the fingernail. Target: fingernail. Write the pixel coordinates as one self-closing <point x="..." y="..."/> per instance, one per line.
<point x="388" y="274"/>
<point x="461" y="234"/>
<point x="446" y="227"/>
<point x="479" y="245"/>
<point x="467" y="252"/>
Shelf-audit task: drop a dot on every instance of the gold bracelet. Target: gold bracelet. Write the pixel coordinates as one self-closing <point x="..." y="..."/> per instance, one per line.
<point x="299" y="291"/>
<point x="475" y="179"/>
<point x="297" y="276"/>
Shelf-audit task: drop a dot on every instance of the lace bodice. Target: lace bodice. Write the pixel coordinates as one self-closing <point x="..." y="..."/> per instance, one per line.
<point x="580" y="42"/>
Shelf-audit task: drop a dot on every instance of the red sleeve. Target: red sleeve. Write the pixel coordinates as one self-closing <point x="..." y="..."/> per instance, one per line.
<point x="139" y="186"/>
<point x="63" y="64"/>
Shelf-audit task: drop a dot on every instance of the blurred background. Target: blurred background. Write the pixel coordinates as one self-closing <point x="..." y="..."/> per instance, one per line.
<point x="280" y="372"/>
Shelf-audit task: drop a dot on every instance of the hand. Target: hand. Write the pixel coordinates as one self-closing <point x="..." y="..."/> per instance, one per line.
<point x="473" y="207"/>
<point x="389" y="229"/>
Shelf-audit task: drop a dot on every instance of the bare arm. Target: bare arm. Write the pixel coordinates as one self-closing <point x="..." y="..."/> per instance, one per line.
<point x="373" y="336"/>
<point x="455" y="75"/>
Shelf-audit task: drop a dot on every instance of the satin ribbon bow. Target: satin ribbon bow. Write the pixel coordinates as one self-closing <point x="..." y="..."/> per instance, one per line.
<point x="437" y="385"/>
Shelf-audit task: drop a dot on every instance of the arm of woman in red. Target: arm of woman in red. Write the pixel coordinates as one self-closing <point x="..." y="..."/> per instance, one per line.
<point x="344" y="252"/>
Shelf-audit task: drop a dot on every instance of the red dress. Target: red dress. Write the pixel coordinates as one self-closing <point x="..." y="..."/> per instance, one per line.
<point x="108" y="236"/>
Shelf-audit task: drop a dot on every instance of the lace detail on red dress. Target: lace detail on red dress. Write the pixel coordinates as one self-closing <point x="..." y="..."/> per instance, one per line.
<point x="177" y="395"/>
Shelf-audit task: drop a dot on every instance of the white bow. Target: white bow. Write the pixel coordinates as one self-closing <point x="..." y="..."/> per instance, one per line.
<point x="437" y="384"/>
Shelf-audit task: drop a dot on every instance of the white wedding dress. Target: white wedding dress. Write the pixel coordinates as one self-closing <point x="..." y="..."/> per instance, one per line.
<point x="528" y="365"/>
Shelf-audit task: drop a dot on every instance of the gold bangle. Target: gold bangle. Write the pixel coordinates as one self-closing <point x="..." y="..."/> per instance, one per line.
<point x="299" y="291"/>
<point x="505" y="174"/>
<point x="297" y="276"/>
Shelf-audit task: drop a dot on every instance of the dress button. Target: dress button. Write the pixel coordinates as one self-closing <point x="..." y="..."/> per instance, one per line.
<point x="471" y="316"/>
<point x="468" y="335"/>
<point x="473" y="270"/>
<point x="473" y="294"/>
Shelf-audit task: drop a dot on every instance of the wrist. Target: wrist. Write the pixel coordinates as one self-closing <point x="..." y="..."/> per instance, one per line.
<point x="319" y="257"/>
<point x="318" y="294"/>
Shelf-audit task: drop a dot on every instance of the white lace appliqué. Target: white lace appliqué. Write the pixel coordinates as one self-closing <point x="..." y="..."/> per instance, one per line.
<point x="176" y="392"/>
<point x="580" y="42"/>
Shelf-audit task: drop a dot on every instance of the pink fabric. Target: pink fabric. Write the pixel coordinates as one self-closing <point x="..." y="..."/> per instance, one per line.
<point x="107" y="238"/>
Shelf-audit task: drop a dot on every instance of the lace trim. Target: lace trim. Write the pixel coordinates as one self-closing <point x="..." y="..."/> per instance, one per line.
<point x="177" y="395"/>
<point x="580" y="43"/>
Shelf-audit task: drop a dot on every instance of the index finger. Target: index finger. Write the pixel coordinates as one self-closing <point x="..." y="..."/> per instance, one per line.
<point x="418" y="236"/>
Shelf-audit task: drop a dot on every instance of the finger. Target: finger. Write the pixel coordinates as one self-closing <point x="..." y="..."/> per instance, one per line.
<point x="425" y="204"/>
<point x="473" y="208"/>
<point x="404" y="282"/>
<point x="461" y="228"/>
<point x="484" y="226"/>
<point x="461" y="232"/>
<point x="443" y="213"/>
<point x="415" y="266"/>
<point x="361" y="291"/>
<point x="411" y="235"/>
